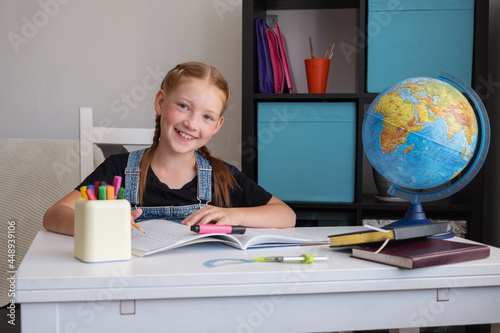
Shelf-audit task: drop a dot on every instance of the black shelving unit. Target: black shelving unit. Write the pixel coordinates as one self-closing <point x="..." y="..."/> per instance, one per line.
<point x="465" y="205"/>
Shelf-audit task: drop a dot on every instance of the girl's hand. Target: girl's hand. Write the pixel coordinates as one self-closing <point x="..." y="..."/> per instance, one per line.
<point x="134" y="214"/>
<point x="217" y="215"/>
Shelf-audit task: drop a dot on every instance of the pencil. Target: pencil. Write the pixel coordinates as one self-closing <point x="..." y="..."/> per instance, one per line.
<point x="331" y="52"/>
<point x="137" y="227"/>
<point x="311" y="47"/>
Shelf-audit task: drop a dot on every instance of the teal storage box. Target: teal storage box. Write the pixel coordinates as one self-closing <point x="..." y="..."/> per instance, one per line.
<point x="408" y="38"/>
<point x="306" y="151"/>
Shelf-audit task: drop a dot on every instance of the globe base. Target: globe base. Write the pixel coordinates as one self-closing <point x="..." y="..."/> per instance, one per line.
<point x="415" y="215"/>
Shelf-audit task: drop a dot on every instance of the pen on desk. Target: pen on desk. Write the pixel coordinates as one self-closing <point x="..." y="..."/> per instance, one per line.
<point x="138" y="227"/>
<point x="215" y="228"/>
<point x="304" y="259"/>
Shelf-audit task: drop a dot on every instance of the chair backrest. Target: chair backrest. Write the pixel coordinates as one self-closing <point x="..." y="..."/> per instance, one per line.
<point x="90" y="135"/>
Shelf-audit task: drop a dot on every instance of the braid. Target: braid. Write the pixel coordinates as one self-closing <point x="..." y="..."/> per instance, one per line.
<point x="146" y="160"/>
<point x="224" y="181"/>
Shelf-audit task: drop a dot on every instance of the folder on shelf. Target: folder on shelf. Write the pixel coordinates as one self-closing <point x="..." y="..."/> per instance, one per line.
<point x="284" y="59"/>
<point x="264" y="66"/>
<point x="276" y="62"/>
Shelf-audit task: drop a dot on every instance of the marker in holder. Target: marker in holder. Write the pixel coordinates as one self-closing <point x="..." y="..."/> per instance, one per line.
<point x="102" y="230"/>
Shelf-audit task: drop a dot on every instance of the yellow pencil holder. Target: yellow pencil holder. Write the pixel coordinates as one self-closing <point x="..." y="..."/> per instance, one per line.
<point x="102" y="230"/>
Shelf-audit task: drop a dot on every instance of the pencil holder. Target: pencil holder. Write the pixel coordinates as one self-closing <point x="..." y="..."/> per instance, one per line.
<point x="317" y="74"/>
<point x="102" y="230"/>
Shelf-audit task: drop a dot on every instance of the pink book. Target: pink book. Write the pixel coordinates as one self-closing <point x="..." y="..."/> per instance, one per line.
<point x="285" y="62"/>
<point x="279" y="78"/>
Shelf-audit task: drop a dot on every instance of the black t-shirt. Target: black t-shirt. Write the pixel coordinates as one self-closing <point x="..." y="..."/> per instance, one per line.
<point x="159" y="194"/>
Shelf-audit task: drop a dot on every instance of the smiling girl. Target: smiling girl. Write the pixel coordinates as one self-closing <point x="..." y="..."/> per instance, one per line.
<point x="177" y="178"/>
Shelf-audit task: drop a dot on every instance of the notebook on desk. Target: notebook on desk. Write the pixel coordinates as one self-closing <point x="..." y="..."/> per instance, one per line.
<point x="163" y="235"/>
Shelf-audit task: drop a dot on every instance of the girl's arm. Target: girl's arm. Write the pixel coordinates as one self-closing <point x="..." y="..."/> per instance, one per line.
<point x="275" y="214"/>
<point x="61" y="216"/>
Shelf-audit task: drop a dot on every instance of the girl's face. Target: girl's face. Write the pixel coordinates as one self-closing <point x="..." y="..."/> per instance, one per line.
<point x="190" y="115"/>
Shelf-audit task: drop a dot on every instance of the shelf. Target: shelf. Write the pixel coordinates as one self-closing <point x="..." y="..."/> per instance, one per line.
<point x="344" y="22"/>
<point x="369" y="202"/>
<point x="310" y="4"/>
<point x="305" y="97"/>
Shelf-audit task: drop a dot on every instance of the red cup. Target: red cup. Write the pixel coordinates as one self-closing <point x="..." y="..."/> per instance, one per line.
<point x="317" y="74"/>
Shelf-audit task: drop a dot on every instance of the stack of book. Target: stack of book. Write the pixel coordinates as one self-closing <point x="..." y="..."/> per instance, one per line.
<point x="409" y="247"/>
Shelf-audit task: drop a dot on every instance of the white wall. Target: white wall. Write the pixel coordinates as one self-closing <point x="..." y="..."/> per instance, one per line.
<point x="58" y="55"/>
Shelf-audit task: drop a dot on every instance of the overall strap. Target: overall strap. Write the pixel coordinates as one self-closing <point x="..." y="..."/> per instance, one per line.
<point x="204" y="179"/>
<point x="132" y="176"/>
<point x="204" y="171"/>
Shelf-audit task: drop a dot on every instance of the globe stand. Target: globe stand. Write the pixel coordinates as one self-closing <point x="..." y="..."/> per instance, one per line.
<point x="415" y="215"/>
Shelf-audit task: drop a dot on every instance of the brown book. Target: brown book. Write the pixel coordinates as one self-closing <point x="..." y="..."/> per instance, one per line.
<point x="422" y="252"/>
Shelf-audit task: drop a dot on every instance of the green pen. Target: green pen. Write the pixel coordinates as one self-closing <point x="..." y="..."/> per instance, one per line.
<point x="303" y="259"/>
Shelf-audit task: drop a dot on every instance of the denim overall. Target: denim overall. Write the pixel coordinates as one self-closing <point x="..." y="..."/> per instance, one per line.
<point x="172" y="213"/>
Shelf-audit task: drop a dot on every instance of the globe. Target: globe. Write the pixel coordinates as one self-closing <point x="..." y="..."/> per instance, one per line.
<point x="422" y="135"/>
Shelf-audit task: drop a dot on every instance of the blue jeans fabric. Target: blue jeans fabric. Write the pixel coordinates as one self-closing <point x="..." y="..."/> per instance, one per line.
<point x="171" y="213"/>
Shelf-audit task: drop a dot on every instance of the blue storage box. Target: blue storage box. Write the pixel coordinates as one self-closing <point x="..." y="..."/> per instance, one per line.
<point x="408" y="38"/>
<point x="306" y="151"/>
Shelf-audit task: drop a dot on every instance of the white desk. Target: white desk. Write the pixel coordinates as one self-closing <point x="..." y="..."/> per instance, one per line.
<point x="174" y="292"/>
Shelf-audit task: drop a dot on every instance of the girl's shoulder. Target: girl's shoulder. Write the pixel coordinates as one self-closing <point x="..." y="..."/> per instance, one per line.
<point x="118" y="159"/>
<point x="234" y="170"/>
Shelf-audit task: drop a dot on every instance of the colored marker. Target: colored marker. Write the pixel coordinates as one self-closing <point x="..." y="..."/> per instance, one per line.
<point x="217" y="229"/>
<point x="90" y="194"/>
<point x="121" y="193"/>
<point x="91" y="187"/>
<point x="117" y="183"/>
<point x="102" y="192"/>
<point x="110" y="192"/>
<point x="96" y="189"/>
<point x="82" y="191"/>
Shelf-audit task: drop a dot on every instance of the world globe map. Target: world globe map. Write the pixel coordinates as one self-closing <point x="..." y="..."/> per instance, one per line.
<point x="420" y="133"/>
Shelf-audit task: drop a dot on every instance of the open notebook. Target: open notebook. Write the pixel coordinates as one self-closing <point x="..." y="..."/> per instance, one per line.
<point x="162" y="235"/>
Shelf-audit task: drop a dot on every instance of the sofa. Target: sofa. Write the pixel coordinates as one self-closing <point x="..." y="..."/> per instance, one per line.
<point x="34" y="174"/>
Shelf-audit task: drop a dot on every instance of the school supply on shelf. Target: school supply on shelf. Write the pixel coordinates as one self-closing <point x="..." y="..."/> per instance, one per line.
<point x="265" y="71"/>
<point x="272" y="64"/>
<point x="163" y="235"/>
<point x="391" y="232"/>
<point x="276" y="62"/>
<point x="423" y="252"/>
<point x="288" y="76"/>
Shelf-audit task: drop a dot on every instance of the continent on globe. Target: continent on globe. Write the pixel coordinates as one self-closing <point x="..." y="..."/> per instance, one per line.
<point x="420" y="133"/>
